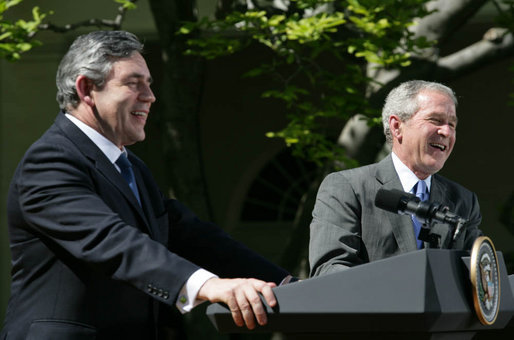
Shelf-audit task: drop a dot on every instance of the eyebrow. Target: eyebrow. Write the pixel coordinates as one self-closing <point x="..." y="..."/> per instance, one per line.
<point x="139" y="76"/>
<point x="453" y="119"/>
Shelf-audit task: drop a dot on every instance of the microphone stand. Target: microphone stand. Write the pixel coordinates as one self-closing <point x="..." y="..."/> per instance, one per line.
<point x="456" y="231"/>
<point x="455" y="223"/>
<point x="426" y="235"/>
<point x="427" y="212"/>
<point x="430" y="209"/>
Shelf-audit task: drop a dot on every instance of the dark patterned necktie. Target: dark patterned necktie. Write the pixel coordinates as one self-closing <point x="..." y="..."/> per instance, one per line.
<point x="128" y="174"/>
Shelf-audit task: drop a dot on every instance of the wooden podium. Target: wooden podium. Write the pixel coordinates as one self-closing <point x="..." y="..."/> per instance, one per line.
<point x="426" y="292"/>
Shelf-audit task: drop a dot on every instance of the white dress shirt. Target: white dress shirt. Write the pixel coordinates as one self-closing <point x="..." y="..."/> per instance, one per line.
<point x="407" y="177"/>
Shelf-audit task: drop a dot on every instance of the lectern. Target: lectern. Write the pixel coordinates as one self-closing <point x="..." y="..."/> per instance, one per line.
<point x="423" y="292"/>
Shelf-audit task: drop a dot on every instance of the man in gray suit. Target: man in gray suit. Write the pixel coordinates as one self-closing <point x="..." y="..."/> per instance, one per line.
<point x="347" y="229"/>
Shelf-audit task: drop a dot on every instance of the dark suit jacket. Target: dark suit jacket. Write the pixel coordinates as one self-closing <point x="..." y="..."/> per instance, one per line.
<point x="347" y="229"/>
<point x="87" y="261"/>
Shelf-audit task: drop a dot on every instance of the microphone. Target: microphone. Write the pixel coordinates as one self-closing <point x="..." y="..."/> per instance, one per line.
<point x="400" y="202"/>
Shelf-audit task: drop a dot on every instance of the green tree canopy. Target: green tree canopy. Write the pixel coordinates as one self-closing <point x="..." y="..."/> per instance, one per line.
<point x="324" y="55"/>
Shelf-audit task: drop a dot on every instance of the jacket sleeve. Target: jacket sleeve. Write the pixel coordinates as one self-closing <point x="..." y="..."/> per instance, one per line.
<point x="335" y="241"/>
<point x="472" y="232"/>
<point x="208" y="246"/>
<point x="55" y="199"/>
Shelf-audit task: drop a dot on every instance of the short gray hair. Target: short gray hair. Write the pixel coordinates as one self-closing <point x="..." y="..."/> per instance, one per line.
<point x="403" y="102"/>
<point x="92" y="55"/>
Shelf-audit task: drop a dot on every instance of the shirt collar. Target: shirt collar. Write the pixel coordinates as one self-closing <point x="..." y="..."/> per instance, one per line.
<point x="407" y="177"/>
<point x="111" y="151"/>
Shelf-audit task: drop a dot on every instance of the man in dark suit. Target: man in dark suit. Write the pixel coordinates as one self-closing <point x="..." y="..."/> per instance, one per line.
<point x="97" y="251"/>
<point x="347" y="229"/>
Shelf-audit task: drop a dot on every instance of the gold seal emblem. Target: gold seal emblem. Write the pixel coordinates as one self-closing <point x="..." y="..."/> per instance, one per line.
<point x="485" y="279"/>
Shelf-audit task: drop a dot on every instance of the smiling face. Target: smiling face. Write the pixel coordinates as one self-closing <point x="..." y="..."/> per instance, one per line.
<point x="122" y="104"/>
<point x="425" y="141"/>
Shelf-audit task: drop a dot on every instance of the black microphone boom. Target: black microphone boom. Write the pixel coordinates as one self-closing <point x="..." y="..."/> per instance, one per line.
<point x="400" y="202"/>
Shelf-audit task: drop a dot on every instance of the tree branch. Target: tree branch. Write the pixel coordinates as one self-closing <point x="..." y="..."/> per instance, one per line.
<point x="498" y="43"/>
<point x="450" y="16"/>
<point x="115" y="24"/>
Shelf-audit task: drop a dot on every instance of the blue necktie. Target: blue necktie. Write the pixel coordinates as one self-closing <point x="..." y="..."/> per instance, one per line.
<point x="421" y="192"/>
<point x="128" y="174"/>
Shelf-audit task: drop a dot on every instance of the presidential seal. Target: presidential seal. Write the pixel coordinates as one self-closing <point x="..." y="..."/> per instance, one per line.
<point x="485" y="279"/>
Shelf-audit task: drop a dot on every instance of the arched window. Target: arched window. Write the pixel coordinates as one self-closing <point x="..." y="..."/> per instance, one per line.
<point x="276" y="192"/>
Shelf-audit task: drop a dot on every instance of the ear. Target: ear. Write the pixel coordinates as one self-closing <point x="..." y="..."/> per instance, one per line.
<point x="395" y="126"/>
<point x="84" y="87"/>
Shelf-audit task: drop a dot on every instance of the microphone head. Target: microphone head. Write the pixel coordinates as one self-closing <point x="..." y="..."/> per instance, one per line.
<point x="393" y="200"/>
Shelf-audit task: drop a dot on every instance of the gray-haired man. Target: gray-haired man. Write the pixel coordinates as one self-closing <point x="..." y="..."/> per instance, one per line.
<point x="97" y="251"/>
<point x="347" y="229"/>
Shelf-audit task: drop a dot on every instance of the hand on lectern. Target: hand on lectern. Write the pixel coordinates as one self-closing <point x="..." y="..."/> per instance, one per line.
<point x="242" y="298"/>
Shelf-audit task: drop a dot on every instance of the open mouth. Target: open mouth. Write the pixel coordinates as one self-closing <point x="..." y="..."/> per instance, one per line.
<point x="438" y="146"/>
<point x="139" y="113"/>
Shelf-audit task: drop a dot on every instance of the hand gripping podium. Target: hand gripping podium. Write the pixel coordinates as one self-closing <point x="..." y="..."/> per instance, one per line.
<point x="423" y="292"/>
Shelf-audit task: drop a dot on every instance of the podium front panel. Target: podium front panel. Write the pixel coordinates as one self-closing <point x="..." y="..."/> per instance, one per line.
<point x="425" y="291"/>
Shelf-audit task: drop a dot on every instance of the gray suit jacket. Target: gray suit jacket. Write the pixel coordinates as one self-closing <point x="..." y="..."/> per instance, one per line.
<point x="347" y="229"/>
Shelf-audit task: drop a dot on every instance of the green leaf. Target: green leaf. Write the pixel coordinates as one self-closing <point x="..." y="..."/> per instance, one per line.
<point x="318" y="73"/>
<point x="5" y="35"/>
<point x="5" y="5"/>
<point x="127" y="4"/>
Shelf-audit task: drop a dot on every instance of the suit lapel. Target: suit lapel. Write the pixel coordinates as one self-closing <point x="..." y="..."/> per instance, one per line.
<point x="401" y="225"/>
<point x="155" y="232"/>
<point x="438" y="193"/>
<point x="102" y="164"/>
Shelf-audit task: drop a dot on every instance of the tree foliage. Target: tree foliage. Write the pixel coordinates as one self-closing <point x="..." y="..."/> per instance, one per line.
<point x="505" y="9"/>
<point x="17" y="37"/>
<point x="319" y="51"/>
<point x="322" y="52"/>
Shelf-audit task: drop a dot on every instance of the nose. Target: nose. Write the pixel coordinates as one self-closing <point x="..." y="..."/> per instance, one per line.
<point x="445" y="130"/>
<point x="147" y="95"/>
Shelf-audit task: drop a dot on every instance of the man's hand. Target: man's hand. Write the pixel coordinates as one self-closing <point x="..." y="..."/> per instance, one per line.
<point x="242" y="298"/>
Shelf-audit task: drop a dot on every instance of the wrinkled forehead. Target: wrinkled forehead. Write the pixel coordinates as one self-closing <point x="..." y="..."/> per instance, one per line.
<point x="437" y="103"/>
<point x="436" y="95"/>
<point x="133" y="66"/>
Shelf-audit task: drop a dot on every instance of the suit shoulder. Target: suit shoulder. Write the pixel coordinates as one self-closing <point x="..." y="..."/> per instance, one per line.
<point x="451" y="184"/>
<point x="52" y="141"/>
<point x="453" y="190"/>
<point x="353" y="175"/>
<point x="350" y="182"/>
<point x="49" y="140"/>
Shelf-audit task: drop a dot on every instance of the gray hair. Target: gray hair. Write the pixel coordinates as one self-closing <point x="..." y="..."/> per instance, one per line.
<point x="92" y="55"/>
<point x="403" y="101"/>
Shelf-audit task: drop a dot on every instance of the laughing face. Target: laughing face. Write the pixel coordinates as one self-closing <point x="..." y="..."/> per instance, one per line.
<point x="122" y="104"/>
<point x="425" y="141"/>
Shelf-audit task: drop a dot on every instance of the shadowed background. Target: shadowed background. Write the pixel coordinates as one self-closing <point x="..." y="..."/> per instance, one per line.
<point x="244" y="170"/>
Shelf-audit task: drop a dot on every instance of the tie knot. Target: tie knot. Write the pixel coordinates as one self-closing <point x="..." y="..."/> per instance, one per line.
<point x="123" y="162"/>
